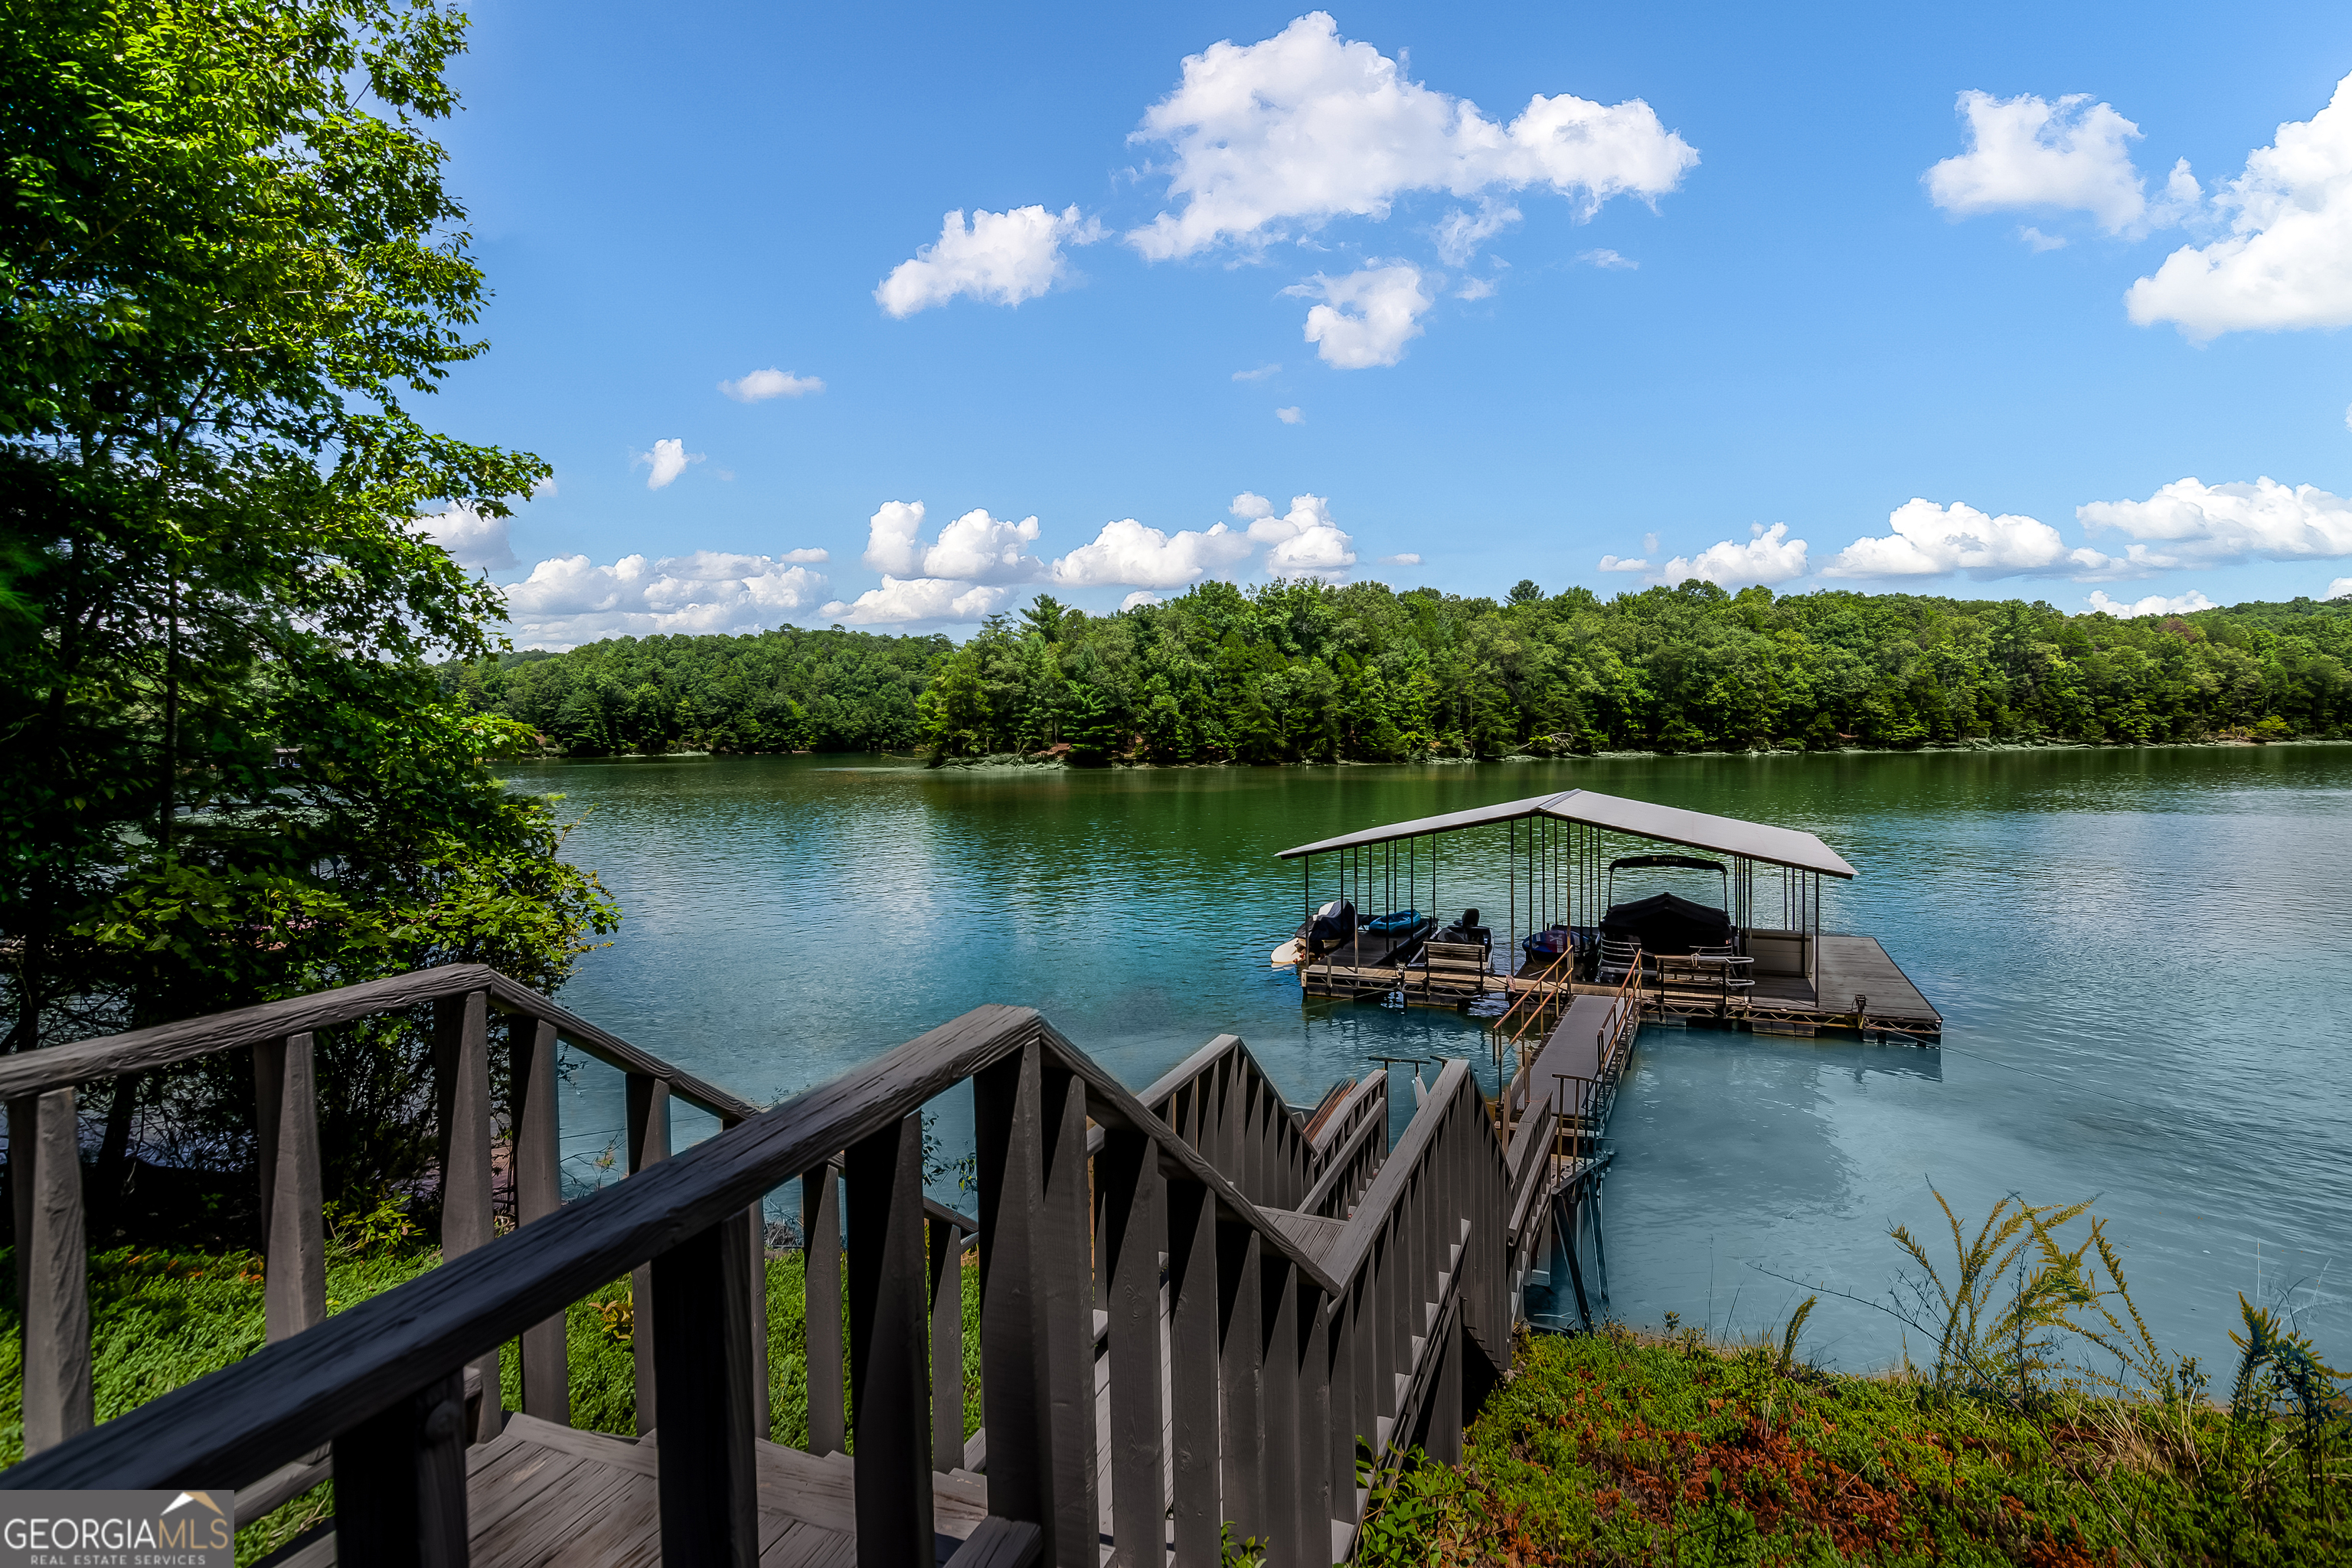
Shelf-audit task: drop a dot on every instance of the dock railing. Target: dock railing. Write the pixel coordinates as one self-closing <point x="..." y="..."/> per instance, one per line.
<point x="1287" y="1335"/>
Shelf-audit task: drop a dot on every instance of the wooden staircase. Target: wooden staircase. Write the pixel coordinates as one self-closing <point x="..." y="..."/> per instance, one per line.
<point x="1195" y="1303"/>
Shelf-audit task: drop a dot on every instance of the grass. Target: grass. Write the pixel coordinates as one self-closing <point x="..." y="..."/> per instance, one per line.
<point x="1616" y="1448"/>
<point x="161" y="1319"/>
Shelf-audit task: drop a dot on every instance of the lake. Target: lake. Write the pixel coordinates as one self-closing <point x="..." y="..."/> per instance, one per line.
<point x="2140" y="955"/>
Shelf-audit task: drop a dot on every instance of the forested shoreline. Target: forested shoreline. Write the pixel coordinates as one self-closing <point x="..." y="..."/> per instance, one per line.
<point x="1305" y="671"/>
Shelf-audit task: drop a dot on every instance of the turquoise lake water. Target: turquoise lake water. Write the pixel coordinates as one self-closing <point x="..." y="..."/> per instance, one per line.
<point x="2141" y="957"/>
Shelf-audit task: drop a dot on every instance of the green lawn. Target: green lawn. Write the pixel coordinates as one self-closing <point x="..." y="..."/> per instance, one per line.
<point x="161" y="1319"/>
<point x="1616" y="1448"/>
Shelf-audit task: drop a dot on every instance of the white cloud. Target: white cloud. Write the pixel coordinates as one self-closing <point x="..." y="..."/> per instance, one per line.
<point x="2341" y="588"/>
<point x="2037" y="242"/>
<point x="1275" y="138"/>
<point x="763" y="384"/>
<point x="2154" y="604"/>
<point x="1769" y="556"/>
<point x="1260" y="373"/>
<point x="931" y="600"/>
<point x="470" y="537"/>
<point x="2190" y="523"/>
<point x="1475" y="288"/>
<point x="1302" y="543"/>
<point x="1139" y="598"/>
<point x="1127" y="552"/>
<point x="1460" y="233"/>
<point x="2288" y="261"/>
<point x="667" y="460"/>
<point x="569" y="600"/>
<point x="1369" y="316"/>
<point x="1618" y="563"/>
<point x="1931" y="540"/>
<point x="2027" y="151"/>
<point x="1000" y="258"/>
<point x="544" y="486"/>
<point x="2348" y="425"/>
<point x="974" y="548"/>
<point x="1290" y="415"/>
<point x="1607" y="260"/>
<point x="1249" y="506"/>
<point x="1408" y="559"/>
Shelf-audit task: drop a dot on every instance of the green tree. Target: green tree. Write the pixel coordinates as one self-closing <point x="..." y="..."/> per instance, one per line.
<point x="229" y="771"/>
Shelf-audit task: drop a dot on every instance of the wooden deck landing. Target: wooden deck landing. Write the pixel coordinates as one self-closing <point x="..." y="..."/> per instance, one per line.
<point x="1849" y="966"/>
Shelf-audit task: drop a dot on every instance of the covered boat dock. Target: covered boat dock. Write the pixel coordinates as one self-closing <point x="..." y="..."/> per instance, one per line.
<point x="1581" y="916"/>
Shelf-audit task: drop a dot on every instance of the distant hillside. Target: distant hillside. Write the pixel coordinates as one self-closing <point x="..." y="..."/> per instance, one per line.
<point x="1301" y="671"/>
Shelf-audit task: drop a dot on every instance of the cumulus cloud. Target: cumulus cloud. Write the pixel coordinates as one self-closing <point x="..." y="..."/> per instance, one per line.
<point x="1408" y="559"/>
<point x="1475" y="288"/>
<point x="1769" y="556"/>
<point x="2154" y="604"/>
<point x="930" y="600"/>
<point x="1461" y="232"/>
<point x="1607" y="260"/>
<point x="974" y="548"/>
<point x="1260" y="373"/>
<point x="1127" y="552"/>
<point x="2341" y="588"/>
<point x="1139" y="598"/>
<point x="763" y="384"/>
<point x="470" y="537"/>
<point x="2288" y="259"/>
<point x="1290" y="415"/>
<point x="1931" y="540"/>
<point x="2027" y="151"/>
<point x="667" y="460"/>
<point x="1275" y="138"/>
<point x="1000" y="258"/>
<point x="569" y="600"/>
<point x="1303" y="542"/>
<point x="2037" y="242"/>
<point x="1367" y="317"/>
<point x="2191" y="523"/>
<point x="1620" y="564"/>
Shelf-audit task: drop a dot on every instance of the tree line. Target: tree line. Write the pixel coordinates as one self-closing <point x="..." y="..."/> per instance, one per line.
<point x="1305" y="672"/>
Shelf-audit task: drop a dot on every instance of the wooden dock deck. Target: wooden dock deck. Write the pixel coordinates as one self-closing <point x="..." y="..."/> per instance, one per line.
<point x="1849" y="966"/>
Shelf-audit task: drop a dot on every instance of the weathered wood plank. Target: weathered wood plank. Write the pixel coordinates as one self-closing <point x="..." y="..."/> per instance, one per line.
<point x="52" y="1267"/>
<point x="1195" y="1372"/>
<point x="1241" y="1346"/>
<point x="888" y="1325"/>
<point x="294" y="1242"/>
<point x="1065" y="1276"/>
<point x="538" y="1192"/>
<point x="1000" y="1543"/>
<point x="702" y="1352"/>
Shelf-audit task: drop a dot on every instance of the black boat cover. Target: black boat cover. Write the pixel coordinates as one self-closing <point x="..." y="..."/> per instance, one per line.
<point x="1665" y="923"/>
<point x="1334" y="924"/>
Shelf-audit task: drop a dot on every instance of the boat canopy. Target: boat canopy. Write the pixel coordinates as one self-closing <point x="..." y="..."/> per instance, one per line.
<point x="1759" y="841"/>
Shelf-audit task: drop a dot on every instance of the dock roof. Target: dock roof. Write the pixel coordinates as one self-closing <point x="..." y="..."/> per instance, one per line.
<point x="1645" y="819"/>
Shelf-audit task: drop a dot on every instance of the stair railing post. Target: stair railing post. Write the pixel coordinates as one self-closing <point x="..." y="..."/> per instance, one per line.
<point x="461" y="1053"/>
<point x="1066" y="1254"/>
<point x="1311" y="1461"/>
<point x="52" y="1267"/>
<point x="888" y="1325"/>
<point x="294" y="1242"/>
<point x="649" y="1139"/>
<point x="1241" y="1343"/>
<point x="947" y="1345"/>
<point x="400" y="1483"/>
<point x="702" y="1355"/>
<point x="538" y="1192"/>
<point x="828" y="1429"/>
<point x="1194" y="1379"/>
<point x="1126" y="1174"/>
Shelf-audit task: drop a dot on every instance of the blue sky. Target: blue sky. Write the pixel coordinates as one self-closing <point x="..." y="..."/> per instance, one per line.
<point x="1678" y="290"/>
